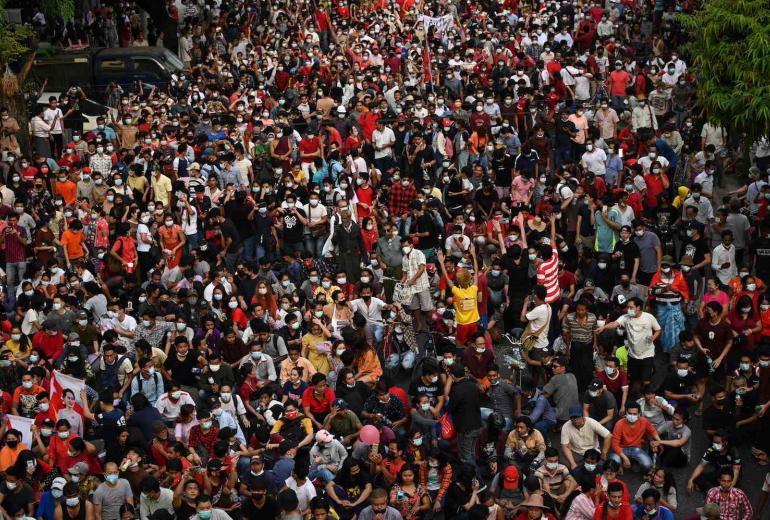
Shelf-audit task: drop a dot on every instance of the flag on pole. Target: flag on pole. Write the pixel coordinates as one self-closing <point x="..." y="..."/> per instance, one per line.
<point x="24" y="425"/>
<point x="426" y="60"/>
<point x="61" y="382"/>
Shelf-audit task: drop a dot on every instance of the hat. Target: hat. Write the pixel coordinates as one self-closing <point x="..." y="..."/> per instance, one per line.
<point x="511" y="477"/>
<point x="86" y="169"/>
<point x="575" y="411"/>
<point x="73" y="336"/>
<point x="158" y="426"/>
<point x="79" y="468"/>
<point x="58" y="483"/>
<point x="341" y="109"/>
<point x="323" y="436"/>
<point x="340" y="404"/>
<point x="257" y="459"/>
<point x="595" y="385"/>
<point x="641" y="97"/>
<point x="194" y="166"/>
<point x="82" y="315"/>
<point x="666" y="260"/>
<point x="534" y="500"/>
<point x="686" y="260"/>
<point x="589" y="283"/>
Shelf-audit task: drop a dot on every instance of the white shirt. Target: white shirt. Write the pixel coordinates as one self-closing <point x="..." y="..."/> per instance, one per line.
<point x="595" y="161"/>
<point x="305" y="493"/>
<point x="170" y="410"/>
<point x="141" y="245"/>
<point x="639" y="331"/>
<point x="537" y="317"/>
<point x="49" y="115"/>
<point x="720" y="256"/>
<point x="384" y="138"/>
<point x="706" y="181"/>
<point x="372" y="312"/>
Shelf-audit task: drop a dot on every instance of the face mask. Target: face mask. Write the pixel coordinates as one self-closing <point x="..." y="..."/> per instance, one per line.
<point x="590" y="467"/>
<point x="112" y="479"/>
<point x="206" y="425"/>
<point x="232" y="305"/>
<point x="751" y="287"/>
<point x="764" y="363"/>
<point x="27" y="385"/>
<point x="406" y="250"/>
<point x="631" y="313"/>
<point x="218" y="296"/>
<point x="204" y="515"/>
<point x="146" y="323"/>
<point x="631" y="418"/>
<point x="717" y="446"/>
<point x="176" y="394"/>
<point x="552" y="465"/>
<point x="449" y="361"/>
<point x="256" y="355"/>
<point x="602" y="265"/>
<point x="682" y="372"/>
<point x="63" y="435"/>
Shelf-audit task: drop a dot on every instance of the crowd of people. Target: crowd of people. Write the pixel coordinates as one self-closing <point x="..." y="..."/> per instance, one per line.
<point x="381" y="261"/>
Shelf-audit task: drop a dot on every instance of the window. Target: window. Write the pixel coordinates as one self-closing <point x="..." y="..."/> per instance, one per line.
<point x="147" y="66"/>
<point x="112" y="65"/>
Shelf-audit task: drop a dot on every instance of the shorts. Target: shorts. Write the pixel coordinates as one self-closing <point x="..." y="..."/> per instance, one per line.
<point x="640" y="369"/>
<point x="464" y="333"/>
<point x="422" y="300"/>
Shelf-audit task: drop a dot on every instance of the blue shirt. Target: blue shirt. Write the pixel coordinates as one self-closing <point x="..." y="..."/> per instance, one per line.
<point x="664" y="513"/>
<point x="46" y="506"/>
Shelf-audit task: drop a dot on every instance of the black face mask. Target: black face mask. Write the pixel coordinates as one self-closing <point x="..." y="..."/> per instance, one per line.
<point x="11" y="444"/>
<point x="625" y="284"/>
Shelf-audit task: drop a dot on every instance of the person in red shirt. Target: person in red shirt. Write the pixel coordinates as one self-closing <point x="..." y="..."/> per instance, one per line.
<point x="49" y="341"/>
<point x="614" y="508"/>
<point x="615" y="380"/>
<point x="309" y="149"/>
<point x="657" y="182"/>
<point x="317" y="400"/>
<point x="365" y="194"/>
<point x="618" y="82"/>
<point x="629" y="436"/>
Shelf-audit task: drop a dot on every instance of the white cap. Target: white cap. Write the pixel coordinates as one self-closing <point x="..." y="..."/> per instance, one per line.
<point x="341" y="109"/>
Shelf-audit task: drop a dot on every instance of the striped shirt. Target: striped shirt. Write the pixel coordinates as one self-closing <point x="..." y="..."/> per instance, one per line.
<point x="14" y="249"/>
<point x="548" y="275"/>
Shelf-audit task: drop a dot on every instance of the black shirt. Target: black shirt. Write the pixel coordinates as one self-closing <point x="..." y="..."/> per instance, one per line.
<point x="679" y="385"/>
<point x="456" y="498"/>
<point x="182" y="371"/>
<point x="355" y="397"/>
<point x="268" y="510"/>
<point x="503" y="166"/>
<point x="465" y="406"/>
<point x="18" y="499"/>
<point x="229" y="231"/>
<point x="486" y="200"/>
<point x="424" y="223"/>
<point x="697" y="249"/>
<point x="629" y="252"/>
<point x="418" y="386"/>
<point x="761" y="249"/>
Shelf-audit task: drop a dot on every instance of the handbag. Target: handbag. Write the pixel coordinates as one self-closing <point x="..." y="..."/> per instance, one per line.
<point x="448" y="431"/>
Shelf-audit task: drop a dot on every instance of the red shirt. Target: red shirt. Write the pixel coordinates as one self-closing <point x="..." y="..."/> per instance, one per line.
<point x="624" y="513"/>
<point x="619" y="80"/>
<point x="616" y="385"/>
<point x="316" y="404"/>
<point x="51" y="346"/>
<point x="654" y="188"/>
<point x="566" y="280"/>
<point x="309" y="146"/>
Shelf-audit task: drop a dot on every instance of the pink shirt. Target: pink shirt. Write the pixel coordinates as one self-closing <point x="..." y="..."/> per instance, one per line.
<point x="520" y="189"/>
<point x="720" y="298"/>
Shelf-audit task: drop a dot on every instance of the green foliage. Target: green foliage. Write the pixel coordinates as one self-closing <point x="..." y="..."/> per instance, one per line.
<point x="731" y="57"/>
<point x="63" y="8"/>
<point x="13" y="38"/>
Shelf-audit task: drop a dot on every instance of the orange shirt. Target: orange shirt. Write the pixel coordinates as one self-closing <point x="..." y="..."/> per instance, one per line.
<point x="368" y="365"/>
<point x="73" y="242"/>
<point x="68" y="190"/>
<point x="8" y="456"/>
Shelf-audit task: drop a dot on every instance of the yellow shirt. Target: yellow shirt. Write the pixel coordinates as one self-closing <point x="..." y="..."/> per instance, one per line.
<point x="466" y="304"/>
<point x="162" y="188"/>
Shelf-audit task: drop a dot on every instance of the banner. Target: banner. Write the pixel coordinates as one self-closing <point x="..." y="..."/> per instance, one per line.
<point x="24" y="425"/>
<point x="61" y="382"/>
<point x="441" y="23"/>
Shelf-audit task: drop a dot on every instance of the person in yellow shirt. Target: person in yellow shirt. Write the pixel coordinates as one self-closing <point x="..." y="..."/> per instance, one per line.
<point x="466" y="298"/>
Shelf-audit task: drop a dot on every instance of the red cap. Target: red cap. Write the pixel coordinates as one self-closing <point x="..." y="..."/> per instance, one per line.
<point x="447" y="122"/>
<point x="86" y="169"/>
<point x="511" y="478"/>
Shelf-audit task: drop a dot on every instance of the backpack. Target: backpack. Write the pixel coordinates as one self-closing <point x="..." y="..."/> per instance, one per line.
<point x="141" y="381"/>
<point x="110" y="380"/>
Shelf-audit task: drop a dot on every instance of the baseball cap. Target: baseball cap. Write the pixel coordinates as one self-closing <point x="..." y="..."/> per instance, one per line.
<point x="575" y="411"/>
<point x="340" y="404"/>
<point x="79" y="468"/>
<point x="58" y="483"/>
<point x="323" y="436"/>
<point x="511" y="477"/>
<point x="595" y="385"/>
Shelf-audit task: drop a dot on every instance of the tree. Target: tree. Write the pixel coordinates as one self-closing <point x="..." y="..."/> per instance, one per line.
<point x="730" y="48"/>
<point x="14" y="45"/>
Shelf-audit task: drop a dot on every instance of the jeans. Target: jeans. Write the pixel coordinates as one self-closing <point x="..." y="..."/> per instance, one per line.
<point x="406" y="360"/>
<point x="193" y="240"/>
<point x="315" y="245"/>
<point x="467" y="442"/>
<point x="544" y="426"/>
<point x="637" y="455"/>
<point x="324" y="474"/>
<point x="378" y="331"/>
<point x="250" y="248"/>
<point x="14" y="272"/>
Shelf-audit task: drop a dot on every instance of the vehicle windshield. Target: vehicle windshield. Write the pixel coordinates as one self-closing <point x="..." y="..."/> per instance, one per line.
<point x="172" y="61"/>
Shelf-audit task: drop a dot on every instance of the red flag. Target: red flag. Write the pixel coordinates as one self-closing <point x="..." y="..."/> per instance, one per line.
<point x="426" y="61"/>
<point x="61" y="382"/>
